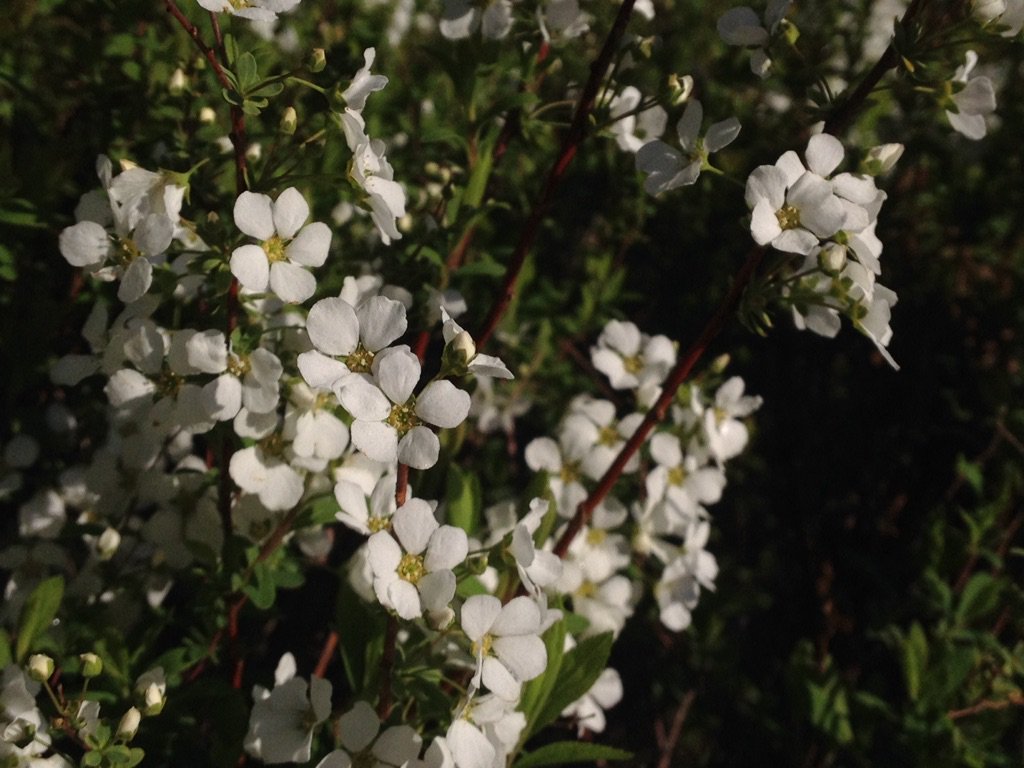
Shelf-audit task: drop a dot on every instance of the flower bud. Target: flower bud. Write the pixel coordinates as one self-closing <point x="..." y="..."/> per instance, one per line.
<point x="464" y="345"/>
<point x="207" y="115"/>
<point x="289" y="120"/>
<point x="317" y="60"/>
<point x="987" y="11"/>
<point x="129" y="725"/>
<point x="40" y="667"/>
<point x="680" y="88"/>
<point x="254" y="152"/>
<point x="832" y="258"/>
<point x="107" y="544"/>
<point x="177" y="82"/>
<point x="92" y="665"/>
<point x="720" y="363"/>
<point x="881" y="159"/>
<point x="154" y="700"/>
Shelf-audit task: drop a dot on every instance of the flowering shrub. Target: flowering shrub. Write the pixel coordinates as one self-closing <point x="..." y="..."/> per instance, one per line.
<point x="370" y="439"/>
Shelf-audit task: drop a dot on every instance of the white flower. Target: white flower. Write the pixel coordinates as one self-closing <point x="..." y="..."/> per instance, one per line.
<point x="252" y="380"/>
<point x="254" y="10"/>
<point x="683" y="479"/>
<point x="794" y="207"/>
<point x="631" y="359"/>
<point x="283" y="720"/>
<point x="537" y="568"/>
<point x="668" y="168"/>
<point x="358" y="731"/>
<point x="414" y="573"/>
<point x="278" y="486"/>
<point x="588" y="710"/>
<point x="495" y="408"/>
<point x="678" y="590"/>
<point x="364" y="83"/>
<point x="362" y="514"/>
<point x="460" y="18"/>
<point x="346" y="340"/>
<point x="742" y="26"/>
<point x="726" y="435"/>
<point x="975" y="99"/>
<point x="506" y="643"/>
<point x="285" y="250"/>
<point x="610" y="437"/>
<point x="389" y="421"/>
<point x="633" y="130"/>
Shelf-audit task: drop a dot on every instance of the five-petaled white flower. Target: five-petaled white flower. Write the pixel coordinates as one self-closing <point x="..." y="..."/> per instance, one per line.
<point x="506" y="643"/>
<point x="414" y="573"/>
<point x="390" y="423"/>
<point x="285" y="249"/>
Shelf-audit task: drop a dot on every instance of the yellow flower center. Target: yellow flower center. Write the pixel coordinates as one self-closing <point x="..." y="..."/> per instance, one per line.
<point x="360" y="360"/>
<point x="677" y="476"/>
<point x="788" y="216"/>
<point x="484" y="646"/>
<point x="273" y="445"/>
<point x="410" y="568"/>
<point x="274" y="248"/>
<point x="586" y="589"/>
<point x="608" y="436"/>
<point x="633" y="364"/>
<point x="127" y="252"/>
<point x="569" y="473"/>
<point x="238" y="366"/>
<point x="596" y="537"/>
<point x="403" y="417"/>
<point x="377" y="524"/>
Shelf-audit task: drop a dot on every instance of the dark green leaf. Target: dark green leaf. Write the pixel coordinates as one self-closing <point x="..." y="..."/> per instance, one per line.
<point x="464" y="497"/>
<point x="580" y="668"/>
<point x="566" y="752"/>
<point x="38" y="614"/>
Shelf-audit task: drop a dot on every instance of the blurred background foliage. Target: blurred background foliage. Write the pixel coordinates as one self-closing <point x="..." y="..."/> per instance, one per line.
<point x="869" y="609"/>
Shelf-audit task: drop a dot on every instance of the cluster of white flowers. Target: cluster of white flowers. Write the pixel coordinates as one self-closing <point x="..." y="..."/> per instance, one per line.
<point x="830" y="221"/>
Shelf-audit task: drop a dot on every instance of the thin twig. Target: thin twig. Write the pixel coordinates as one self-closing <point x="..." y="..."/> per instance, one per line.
<point x="573" y="138"/>
<point x="326" y="654"/>
<point x="668" y="747"/>
<point x="1015" y="699"/>
<point x="387" y="664"/>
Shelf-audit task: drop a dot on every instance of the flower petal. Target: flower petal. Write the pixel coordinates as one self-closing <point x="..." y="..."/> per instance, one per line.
<point x="254" y="215"/>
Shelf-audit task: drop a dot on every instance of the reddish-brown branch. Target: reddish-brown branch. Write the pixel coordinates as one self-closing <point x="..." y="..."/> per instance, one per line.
<point x="570" y="144"/>
<point x="675" y="379"/>
<point x="326" y="654"/>
<point x="402" y="484"/>
<point x="1015" y="699"/>
<point x="669" y="741"/>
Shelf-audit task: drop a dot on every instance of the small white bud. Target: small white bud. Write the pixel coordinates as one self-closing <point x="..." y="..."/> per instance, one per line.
<point x="832" y="258"/>
<point x="107" y="544"/>
<point x="207" y="115"/>
<point x="987" y="11"/>
<point x="40" y="667"/>
<point x="154" y="700"/>
<point x="317" y="60"/>
<point x="177" y="82"/>
<point x="254" y="152"/>
<point x="882" y="158"/>
<point x="680" y="88"/>
<point x="129" y="725"/>
<point x="289" y="121"/>
<point x="463" y="343"/>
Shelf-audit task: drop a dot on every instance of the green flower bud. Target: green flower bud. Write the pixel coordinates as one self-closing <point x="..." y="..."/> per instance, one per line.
<point x="317" y="60"/>
<point x="92" y="665"/>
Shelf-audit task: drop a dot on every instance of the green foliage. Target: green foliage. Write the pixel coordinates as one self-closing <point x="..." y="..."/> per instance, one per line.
<point x="38" y="614"/>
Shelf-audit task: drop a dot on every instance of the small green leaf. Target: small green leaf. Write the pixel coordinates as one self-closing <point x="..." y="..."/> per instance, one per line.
<point x="38" y="614"/>
<point x="915" y="659"/>
<point x="538" y="690"/>
<point x="579" y="671"/>
<point x="980" y="597"/>
<point x="262" y="591"/>
<point x="464" y="497"/>
<point x="92" y="758"/>
<point x="565" y="752"/>
<point x="6" y="652"/>
<point x="247" y="71"/>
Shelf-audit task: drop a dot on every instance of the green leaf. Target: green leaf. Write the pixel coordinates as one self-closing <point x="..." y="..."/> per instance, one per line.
<point x="38" y="614"/>
<point x="579" y="671"/>
<point x="464" y="497"/>
<point x="92" y="758"/>
<point x="970" y="472"/>
<point x="538" y="690"/>
<point x="262" y="591"/>
<point x="564" y="752"/>
<point x="358" y="628"/>
<point x="6" y="652"/>
<point x="915" y="659"/>
<point x="247" y="71"/>
<point x="980" y="597"/>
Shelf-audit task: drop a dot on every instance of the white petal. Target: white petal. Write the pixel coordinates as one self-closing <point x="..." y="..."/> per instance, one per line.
<point x="376" y="439"/>
<point x="397" y="374"/>
<point x="437" y="590"/>
<point x="249" y="264"/>
<point x="414" y="524"/>
<point x="398" y="745"/>
<point x="448" y="548"/>
<point x="469" y="746"/>
<point x="320" y="371"/>
<point x="524" y="655"/>
<point x="333" y="327"/>
<point x="764" y="225"/>
<point x="208" y="351"/>
<point x="499" y="680"/>
<point x="363" y="399"/>
<point x="824" y="153"/>
<point x="290" y="212"/>
<point x="254" y="215"/>
<point x="311" y="245"/>
<point x="136" y="281"/>
<point x="519" y="616"/>
<point x="721" y="134"/>
<point x="381" y="321"/>
<point x="84" y="244"/>
<point x="741" y="26"/>
<point x="478" y="614"/>
<point x="358" y="727"/>
<point x="542" y="453"/>
<point x="419" y="448"/>
<point x="443" y="404"/>
<point x="222" y="397"/>
<point x="405" y="599"/>
<point x="291" y="283"/>
<point x="689" y="124"/>
<point x="384" y="554"/>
